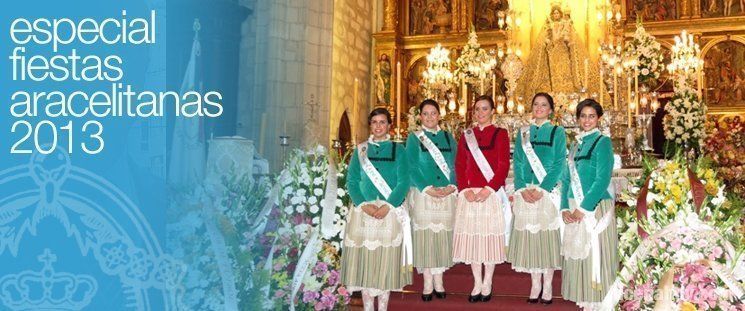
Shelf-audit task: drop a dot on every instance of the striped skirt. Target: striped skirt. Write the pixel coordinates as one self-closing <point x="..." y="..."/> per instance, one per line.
<point x="479" y="230"/>
<point x="577" y="282"/>
<point x="535" y="250"/>
<point x="372" y="255"/>
<point x="432" y="230"/>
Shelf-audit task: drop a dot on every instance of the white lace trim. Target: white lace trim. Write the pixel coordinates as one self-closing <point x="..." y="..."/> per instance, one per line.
<point x="438" y="270"/>
<point x="480" y="234"/>
<point x="436" y="228"/>
<point x="534" y="270"/>
<point x="486" y="262"/>
<point x="374" y="244"/>
<point x="542" y="215"/>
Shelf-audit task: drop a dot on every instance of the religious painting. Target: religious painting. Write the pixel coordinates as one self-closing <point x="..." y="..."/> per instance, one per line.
<point x="724" y="70"/>
<point x="486" y="15"/>
<point x="414" y="89"/>
<point x="722" y="8"/>
<point x="652" y="10"/>
<point x="430" y="16"/>
<point x="382" y="76"/>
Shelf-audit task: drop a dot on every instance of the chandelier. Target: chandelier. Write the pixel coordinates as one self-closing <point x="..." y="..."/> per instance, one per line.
<point x="437" y="79"/>
<point x="474" y="66"/>
<point x="685" y="62"/>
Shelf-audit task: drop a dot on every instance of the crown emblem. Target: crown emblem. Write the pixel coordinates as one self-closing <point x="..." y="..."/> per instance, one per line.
<point x="47" y="289"/>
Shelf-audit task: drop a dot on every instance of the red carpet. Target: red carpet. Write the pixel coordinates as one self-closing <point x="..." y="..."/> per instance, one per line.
<point x="509" y="292"/>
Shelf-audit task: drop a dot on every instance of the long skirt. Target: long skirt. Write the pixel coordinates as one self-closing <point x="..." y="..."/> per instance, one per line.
<point x="577" y="284"/>
<point x="535" y="242"/>
<point x="479" y="231"/>
<point x="432" y="230"/>
<point x="372" y="256"/>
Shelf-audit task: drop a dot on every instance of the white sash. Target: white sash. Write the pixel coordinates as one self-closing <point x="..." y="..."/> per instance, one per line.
<point x="435" y="152"/>
<point x="535" y="164"/>
<point x="308" y="258"/>
<point x="488" y="173"/>
<point x="329" y="204"/>
<point x="593" y="227"/>
<point x="372" y="172"/>
<point x="473" y="146"/>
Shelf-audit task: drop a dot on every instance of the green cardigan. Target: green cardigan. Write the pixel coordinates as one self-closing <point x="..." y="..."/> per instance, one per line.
<point x="549" y="142"/>
<point x="423" y="169"/>
<point x="389" y="159"/>
<point x="594" y="162"/>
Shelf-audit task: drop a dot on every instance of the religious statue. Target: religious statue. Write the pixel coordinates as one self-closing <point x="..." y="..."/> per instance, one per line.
<point x="383" y="80"/>
<point x="559" y="61"/>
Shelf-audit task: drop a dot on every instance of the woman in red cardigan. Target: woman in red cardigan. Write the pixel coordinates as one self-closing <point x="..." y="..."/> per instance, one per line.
<point x="481" y="165"/>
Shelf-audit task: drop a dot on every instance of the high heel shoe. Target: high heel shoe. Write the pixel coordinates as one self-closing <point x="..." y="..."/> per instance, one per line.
<point x="485" y="298"/>
<point x="547" y="302"/>
<point x="427" y="297"/>
<point x="536" y="299"/>
<point x="440" y="295"/>
<point x="474" y="298"/>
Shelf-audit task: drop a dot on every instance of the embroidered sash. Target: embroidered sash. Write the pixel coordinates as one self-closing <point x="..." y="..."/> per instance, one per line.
<point x="372" y="172"/>
<point x="473" y="146"/>
<point x="435" y="152"/>
<point x="535" y="164"/>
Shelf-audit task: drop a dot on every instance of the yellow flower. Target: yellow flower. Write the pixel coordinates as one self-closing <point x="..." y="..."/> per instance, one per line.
<point x="687" y="306"/>
<point x="711" y="188"/>
<point x="709" y="174"/>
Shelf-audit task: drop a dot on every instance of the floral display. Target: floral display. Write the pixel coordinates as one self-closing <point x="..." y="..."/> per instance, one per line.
<point x="474" y="64"/>
<point x="644" y="48"/>
<point x="683" y="228"/>
<point x="701" y="289"/>
<point x="299" y="215"/>
<point x="725" y="145"/>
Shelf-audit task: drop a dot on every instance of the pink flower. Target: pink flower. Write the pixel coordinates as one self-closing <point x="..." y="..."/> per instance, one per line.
<point x="662" y="244"/>
<point x="320" y="269"/>
<point x="676" y="244"/>
<point x="702" y="243"/>
<point x="717" y="252"/>
<point x="644" y="291"/>
<point x="279" y="293"/>
<point x="309" y="296"/>
<point x="631" y="305"/>
<point x="333" y="278"/>
<point x="342" y="291"/>
<point x="688" y="240"/>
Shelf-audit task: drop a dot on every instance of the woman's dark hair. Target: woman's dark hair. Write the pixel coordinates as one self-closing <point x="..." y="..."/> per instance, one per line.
<point x="589" y="102"/>
<point x="486" y="98"/>
<point x="379" y="111"/>
<point x="430" y="102"/>
<point x="546" y="96"/>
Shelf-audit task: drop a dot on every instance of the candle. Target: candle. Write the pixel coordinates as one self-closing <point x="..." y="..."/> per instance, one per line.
<point x="636" y="89"/>
<point x="464" y="94"/>
<point x="586" y="85"/>
<point x="354" y="110"/>
<point x="615" y="91"/>
<point x="493" y="86"/>
<point x="628" y="100"/>
<point x="261" y="133"/>
<point x="398" y="97"/>
<point x="482" y="91"/>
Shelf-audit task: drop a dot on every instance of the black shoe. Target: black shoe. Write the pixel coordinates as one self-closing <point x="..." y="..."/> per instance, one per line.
<point x="474" y="298"/>
<point x="547" y="302"/>
<point x="485" y="298"/>
<point x="427" y="297"/>
<point x="440" y="295"/>
<point x="535" y="300"/>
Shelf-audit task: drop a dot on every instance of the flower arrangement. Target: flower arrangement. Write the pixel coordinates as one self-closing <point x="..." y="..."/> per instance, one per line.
<point x="725" y="143"/>
<point x="685" y="118"/>
<point x="701" y="289"/>
<point x="299" y="214"/>
<point x="474" y="64"/>
<point x="671" y="210"/>
<point x="414" y="123"/>
<point x="647" y="52"/>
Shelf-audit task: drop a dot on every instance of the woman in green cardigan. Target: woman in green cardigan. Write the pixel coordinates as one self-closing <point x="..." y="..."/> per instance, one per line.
<point x="539" y="159"/>
<point x="377" y="231"/>
<point x="431" y="155"/>
<point x="590" y="245"/>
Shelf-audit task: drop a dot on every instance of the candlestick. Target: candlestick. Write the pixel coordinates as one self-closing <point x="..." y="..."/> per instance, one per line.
<point x="482" y="86"/>
<point x="615" y="91"/>
<point x="600" y="85"/>
<point x="354" y="110"/>
<point x="398" y="96"/>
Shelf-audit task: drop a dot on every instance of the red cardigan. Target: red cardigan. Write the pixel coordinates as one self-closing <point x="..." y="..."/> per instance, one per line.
<point x="495" y="144"/>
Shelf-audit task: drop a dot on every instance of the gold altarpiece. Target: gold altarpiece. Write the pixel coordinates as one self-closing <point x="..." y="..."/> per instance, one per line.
<point x="406" y="40"/>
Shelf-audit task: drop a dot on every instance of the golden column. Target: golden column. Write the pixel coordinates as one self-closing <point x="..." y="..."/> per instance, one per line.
<point x="390" y="19"/>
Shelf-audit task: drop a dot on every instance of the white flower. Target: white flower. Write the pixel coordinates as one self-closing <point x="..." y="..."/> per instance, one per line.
<point x="313" y="209"/>
<point x="289" y="209"/>
<point x="340" y="192"/>
<point x="645" y="71"/>
<point x="318" y="192"/>
<point x="339" y="203"/>
<point x="315" y="220"/>
<point x="318" y="181"/>
<point x="300" y="209"/>
<point x="301" y="192"/>
<point x="312" y="200"/>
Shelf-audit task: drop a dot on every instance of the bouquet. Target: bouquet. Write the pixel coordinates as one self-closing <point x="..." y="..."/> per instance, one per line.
<point x="725" y="144"/>
<point x="644" y="48"/>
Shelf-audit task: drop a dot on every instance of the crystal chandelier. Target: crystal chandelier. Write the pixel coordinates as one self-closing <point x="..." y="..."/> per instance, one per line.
<point x="437" y="79"/>
<point x="685" y="63"/>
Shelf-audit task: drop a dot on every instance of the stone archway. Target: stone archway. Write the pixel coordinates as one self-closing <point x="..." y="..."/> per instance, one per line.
<point x="344" y="133"/>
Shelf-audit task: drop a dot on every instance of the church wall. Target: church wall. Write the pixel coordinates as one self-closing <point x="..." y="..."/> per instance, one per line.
<point x="351" y="58"/>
